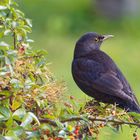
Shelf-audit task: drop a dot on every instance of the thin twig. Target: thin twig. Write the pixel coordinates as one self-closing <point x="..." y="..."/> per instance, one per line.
<point x="35" y="56"/>
<point x="53" y="122"/>
<point x="14" y="35"/>
<point x="49" y="121"/>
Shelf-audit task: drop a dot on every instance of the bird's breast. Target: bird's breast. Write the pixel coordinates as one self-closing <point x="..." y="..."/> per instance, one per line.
<point x="86" y="70"/>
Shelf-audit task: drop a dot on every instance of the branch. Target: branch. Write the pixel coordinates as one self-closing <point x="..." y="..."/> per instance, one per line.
<point x="14" y="35"/>
<point x="49" y="121"/>
<point x="52" y="122"/>
<point x="35" y="56"/>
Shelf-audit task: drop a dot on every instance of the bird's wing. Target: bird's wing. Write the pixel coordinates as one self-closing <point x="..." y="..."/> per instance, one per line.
<point x="94" y="75"/>
<point x="126" y="86"/>
<point x="110" y="84"/>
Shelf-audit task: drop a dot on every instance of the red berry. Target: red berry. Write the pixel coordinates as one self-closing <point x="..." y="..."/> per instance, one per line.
<point x="76" y="132"/>
<point x="77" y="127"/>
<point x="47" y="132"/>
<point x="34" y="128"/>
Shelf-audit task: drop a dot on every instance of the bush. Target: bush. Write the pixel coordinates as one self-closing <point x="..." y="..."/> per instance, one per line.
<point x="30" y="95"/>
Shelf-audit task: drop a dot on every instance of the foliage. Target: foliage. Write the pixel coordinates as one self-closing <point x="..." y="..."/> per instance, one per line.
<point x="26" y="86"/>
<point x="29" y="93"/>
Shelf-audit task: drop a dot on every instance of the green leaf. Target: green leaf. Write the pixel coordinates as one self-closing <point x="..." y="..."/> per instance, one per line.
<point x="3" y="44"/>
<point x="5" y="92"/>
<point x="12" y="52"/>
<point x="5" y="112"/>
<point x="7" y="61"/>
<point x="29" y="117"/>
<point x="21" y="14"/>
<point x="34" y="117"/>
<point x="28" y="21"/>
<point x="26" y="120"/>
<point x="3" y="7"/>
<point x="16" y="83"/>
<point x="7" y="32"/>
<point x="2" y="14"/>
<point x="10" y="135"/>
<point x="27" y="28"/>
<point x="13" y="3"/>
<point x="2" y="118"/>
<point x="3" y="73"/>
<point x="52" y="117"/>
<point x="2" y="138"/>
<point x="9" y="65"/>
<point x="9" y="123"/>
<point x="29" y="40"/>
<point x="69" y="128"/>
<point x="29" y="83"/>
<point x="62" y="134"/>
<point x="59" y="124"/>
<point x="4" y="2"/>
<point x="19" y="114"/>
<point x="17" y="131"/>
<point x="1" y="34"/>
<point x="135" y="115"/>
<point x="14" y="24"/>
<point x="32" y="135"/>
<point x="16" y="104"/>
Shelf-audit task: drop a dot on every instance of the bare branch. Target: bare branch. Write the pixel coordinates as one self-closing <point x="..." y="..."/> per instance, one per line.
<point x="14" y="35"/>
<point x="118" y="122"/>
<point x="49" y="121"/>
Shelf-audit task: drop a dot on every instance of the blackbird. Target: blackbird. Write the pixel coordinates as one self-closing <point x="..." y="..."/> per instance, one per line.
<point x="98" y="76"/>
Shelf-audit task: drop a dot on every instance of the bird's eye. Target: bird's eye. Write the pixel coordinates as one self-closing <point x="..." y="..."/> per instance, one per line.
<point x="96" y="39"/>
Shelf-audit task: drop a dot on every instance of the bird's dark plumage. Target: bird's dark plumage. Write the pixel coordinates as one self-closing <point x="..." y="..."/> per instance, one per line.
<point x="98" y="76"/>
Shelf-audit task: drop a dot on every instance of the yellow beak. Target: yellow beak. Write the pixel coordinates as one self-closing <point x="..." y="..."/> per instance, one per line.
<point x="107" y="36"/>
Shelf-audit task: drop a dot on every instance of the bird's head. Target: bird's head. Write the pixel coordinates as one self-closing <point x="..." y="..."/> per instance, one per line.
<point x="89" y="42"/>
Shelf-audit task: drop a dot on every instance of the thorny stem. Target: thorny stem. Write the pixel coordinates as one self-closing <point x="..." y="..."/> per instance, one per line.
<point x="119" y="122"/>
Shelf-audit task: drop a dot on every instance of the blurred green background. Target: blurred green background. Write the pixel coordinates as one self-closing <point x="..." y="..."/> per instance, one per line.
<point x="57" y="24"/>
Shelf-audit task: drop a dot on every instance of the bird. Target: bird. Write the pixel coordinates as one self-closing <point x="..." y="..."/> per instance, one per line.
<point x="97" y="75"/>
